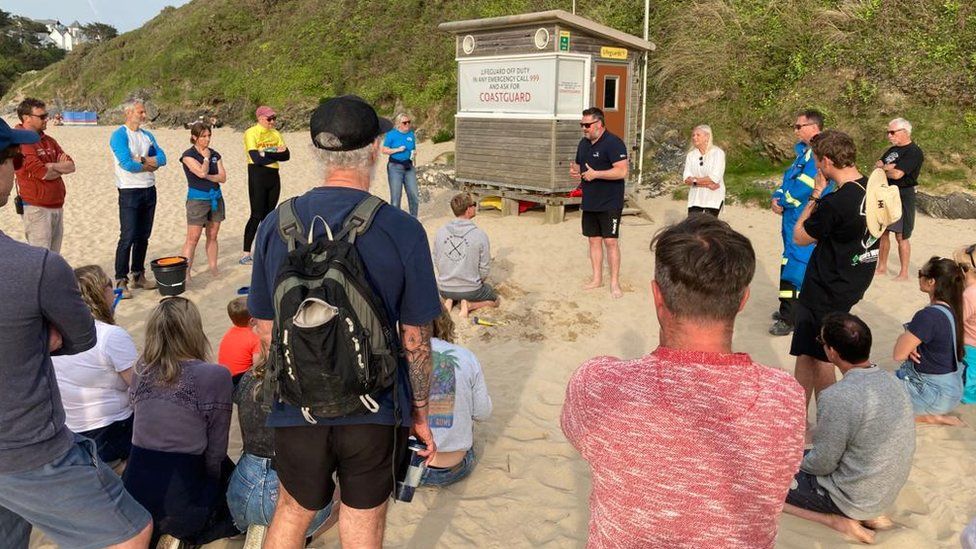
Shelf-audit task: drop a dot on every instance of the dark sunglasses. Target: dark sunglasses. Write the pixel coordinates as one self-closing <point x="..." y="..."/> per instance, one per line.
<point x="41" y="116"/>
<point x="701" y="160"/>
<point x="893" y="132"/>
<point x="272" y="118"/>
<point x="404" y="121"/>
<point x="586" y="124"/>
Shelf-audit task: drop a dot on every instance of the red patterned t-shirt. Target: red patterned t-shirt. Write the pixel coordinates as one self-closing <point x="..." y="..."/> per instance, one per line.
<point x="686" y="449"/>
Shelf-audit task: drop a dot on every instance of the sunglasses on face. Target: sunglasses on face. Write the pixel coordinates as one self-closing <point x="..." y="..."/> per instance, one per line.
<point x="405" y="122"/>
<point x="272" y="118"/>
<point x="41" y="116"/>
<point x="893" y="132"/>
<point x="586" y="125"/>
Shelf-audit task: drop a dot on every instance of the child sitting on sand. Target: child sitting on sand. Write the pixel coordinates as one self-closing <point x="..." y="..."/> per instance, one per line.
<point x="932" y="345"/>
<point x="239" y="346"/>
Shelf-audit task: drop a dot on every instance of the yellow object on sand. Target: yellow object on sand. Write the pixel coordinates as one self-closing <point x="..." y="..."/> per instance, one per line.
<point x="491" y="202"/>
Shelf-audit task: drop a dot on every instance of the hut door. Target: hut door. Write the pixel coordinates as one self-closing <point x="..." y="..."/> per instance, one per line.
<point x="611" y="96"/>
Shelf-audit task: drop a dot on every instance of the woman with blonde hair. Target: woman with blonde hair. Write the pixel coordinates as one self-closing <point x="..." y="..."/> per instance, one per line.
<point x="401" y="144"/>
<point x="94" y="384"/>
<point x="704" y="173"/>
<point x="966" y="257"/>
<point x="179" y="469"/>
<point x="205" y="209"/>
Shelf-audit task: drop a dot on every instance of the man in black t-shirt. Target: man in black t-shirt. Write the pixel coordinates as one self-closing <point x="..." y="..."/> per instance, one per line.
<point x="901" y="163"/>
<point x="842" y="264"/>
<point x="601" y="163"/>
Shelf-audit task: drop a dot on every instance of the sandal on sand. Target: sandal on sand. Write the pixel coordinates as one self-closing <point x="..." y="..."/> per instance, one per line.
<point x="246" y="260"/>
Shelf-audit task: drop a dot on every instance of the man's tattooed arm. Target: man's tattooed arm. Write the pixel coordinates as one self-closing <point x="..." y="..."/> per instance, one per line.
<point x="416" y="345"/>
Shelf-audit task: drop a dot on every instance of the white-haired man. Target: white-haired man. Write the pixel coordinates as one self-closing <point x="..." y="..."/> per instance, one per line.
<point x="396" y="257"/>
<point x="901" y="162"/>
<point x="137" y="157"/>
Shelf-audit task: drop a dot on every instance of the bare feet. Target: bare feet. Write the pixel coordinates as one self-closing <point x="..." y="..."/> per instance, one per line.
<point x="852" y="528"/>
<point x="593" y="284"/>
<point x="448" y="304"/>
<point x="214" y="272"/>
<point x="951" y="421"/>
<point x="880" y="271"/>
<point x="901" y="278"/>
<point x="615" y="291"/>
<point x="879" y="524"/>
<point x="464" y="308"/>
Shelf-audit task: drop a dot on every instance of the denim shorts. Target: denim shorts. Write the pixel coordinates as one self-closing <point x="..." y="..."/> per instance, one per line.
<point x="932" y="394"/>
<point x="76" y="500"/>
<point x="253" y="494"/>
<point x="442" y="477"/>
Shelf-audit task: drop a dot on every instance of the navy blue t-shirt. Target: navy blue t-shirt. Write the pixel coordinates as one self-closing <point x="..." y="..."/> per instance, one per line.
<point x="602" y="195"/>
<point x="934" y="329"/>
<point x="396" y="255"/>
<point x="196" y="182"/>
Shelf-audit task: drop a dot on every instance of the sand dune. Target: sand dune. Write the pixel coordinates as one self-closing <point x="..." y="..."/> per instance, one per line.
<point x="530" y="487"/>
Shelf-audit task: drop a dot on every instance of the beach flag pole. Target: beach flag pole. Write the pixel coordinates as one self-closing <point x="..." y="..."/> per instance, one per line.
<point x="640" y="160"/>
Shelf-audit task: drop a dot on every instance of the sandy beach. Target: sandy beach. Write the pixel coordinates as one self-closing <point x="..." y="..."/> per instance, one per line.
<point x="530" y="487"/>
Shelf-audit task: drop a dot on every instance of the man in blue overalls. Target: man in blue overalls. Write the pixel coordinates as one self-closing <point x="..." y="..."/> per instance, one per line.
<point x="788" y="201"/>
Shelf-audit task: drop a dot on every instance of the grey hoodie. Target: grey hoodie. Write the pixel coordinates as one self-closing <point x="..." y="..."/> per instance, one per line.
<point x="462" y="256"/>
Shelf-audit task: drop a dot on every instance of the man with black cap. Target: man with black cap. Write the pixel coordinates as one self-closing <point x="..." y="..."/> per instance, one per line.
<point x="361" y="449"/>
<point x="41" y="461"/>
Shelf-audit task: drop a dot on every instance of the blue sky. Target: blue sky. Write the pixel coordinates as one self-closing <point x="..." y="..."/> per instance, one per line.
<point x="124" y="15"/>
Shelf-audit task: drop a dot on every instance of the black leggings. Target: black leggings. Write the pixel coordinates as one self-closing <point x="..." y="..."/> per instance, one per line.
<point x="263" y="191"/>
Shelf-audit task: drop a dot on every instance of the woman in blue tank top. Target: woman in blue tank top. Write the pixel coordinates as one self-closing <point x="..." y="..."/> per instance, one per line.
<point x="204" y="171"/>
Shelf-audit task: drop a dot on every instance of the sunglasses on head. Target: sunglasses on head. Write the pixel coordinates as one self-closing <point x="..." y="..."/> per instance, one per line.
<point x="587" y="124"/>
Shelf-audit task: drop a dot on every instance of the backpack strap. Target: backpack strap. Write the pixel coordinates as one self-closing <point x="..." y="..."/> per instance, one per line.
<point x="290" y="227"/>
<point x="360" y="219"/>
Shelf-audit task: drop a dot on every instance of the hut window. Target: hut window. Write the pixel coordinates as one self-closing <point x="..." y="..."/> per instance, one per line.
<point x="541" y="38"/>
<point x="467" y="44"/>
<point x="610" y="87"/>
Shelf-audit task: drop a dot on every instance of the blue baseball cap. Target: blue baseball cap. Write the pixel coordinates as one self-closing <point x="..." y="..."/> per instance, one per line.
<point x="10" y="136"/>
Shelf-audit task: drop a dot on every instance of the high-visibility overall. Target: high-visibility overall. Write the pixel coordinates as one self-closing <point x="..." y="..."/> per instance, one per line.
<point x="798" y="182"/>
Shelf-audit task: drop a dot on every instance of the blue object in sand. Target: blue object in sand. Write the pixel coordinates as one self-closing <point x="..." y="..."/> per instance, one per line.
<point x="118" y="297"/>
<point x="243" y="290"/>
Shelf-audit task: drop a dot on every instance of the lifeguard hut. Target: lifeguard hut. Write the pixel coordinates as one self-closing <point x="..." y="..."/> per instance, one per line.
<point x="523" y="82"/>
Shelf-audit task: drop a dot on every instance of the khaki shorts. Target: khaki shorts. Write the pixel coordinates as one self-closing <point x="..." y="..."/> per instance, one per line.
<point x="44" y="227"/>
<point x="198" y="212"/>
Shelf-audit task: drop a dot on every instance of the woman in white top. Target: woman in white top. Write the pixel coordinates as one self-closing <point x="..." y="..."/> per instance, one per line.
<point x="704" y="173"/>
<point x="94" y="384"/>
<point x="458" y="397"/>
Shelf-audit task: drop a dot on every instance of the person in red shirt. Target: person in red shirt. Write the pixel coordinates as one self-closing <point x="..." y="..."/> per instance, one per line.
<point x="240" y="344"/>
<point x="693" y="445"/>
<point x="39" y="181"/>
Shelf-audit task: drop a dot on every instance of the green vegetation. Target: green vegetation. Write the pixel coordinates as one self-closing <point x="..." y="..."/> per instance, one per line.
<point x="742" y="66"/>
<point x="21" y="49"/>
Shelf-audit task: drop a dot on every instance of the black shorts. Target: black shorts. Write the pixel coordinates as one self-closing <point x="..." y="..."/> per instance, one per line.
<point x="806" y="493"/>
<point x="806" y="328"/>
<point x="906" y="224"/>
<point x="602" y="224"/>
<point x="362" y="455"/>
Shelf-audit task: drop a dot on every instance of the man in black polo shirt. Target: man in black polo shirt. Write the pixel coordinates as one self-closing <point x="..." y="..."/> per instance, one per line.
<point x="842" y="264"/>
<point x="601" y="163"/>
<point x="901" y="162"/>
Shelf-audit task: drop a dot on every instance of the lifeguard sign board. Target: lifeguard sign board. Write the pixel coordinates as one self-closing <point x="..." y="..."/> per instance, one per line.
<point x="523" y="82"/>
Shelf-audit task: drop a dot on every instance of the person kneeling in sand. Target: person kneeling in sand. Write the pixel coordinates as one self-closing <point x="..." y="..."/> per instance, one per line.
<point x="463" y="259"/>
<point x="863" y="443"/>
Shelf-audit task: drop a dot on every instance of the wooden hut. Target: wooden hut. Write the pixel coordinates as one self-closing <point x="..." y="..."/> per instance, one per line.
<point x="523" y="81"/>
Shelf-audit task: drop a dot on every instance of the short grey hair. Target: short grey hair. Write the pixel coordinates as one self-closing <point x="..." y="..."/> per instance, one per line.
<point x="131" y="104"/>
<point x="902" y="124"/>
<point x="358" y="159"/>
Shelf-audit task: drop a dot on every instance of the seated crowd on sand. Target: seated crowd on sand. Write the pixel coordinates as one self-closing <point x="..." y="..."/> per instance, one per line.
<point x="691" y="445"/>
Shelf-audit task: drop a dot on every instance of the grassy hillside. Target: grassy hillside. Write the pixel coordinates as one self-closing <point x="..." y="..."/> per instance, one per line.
<point x="742" y="66"/>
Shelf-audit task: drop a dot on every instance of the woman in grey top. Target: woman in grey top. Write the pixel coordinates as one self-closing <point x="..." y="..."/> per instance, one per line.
<point x="179" y="469"/>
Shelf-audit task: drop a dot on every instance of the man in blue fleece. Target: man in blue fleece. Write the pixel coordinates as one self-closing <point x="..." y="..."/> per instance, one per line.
<point x="137" y="157"/>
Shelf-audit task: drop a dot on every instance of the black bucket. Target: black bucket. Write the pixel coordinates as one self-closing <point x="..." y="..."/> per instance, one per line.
<point x="170" y="273"/>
